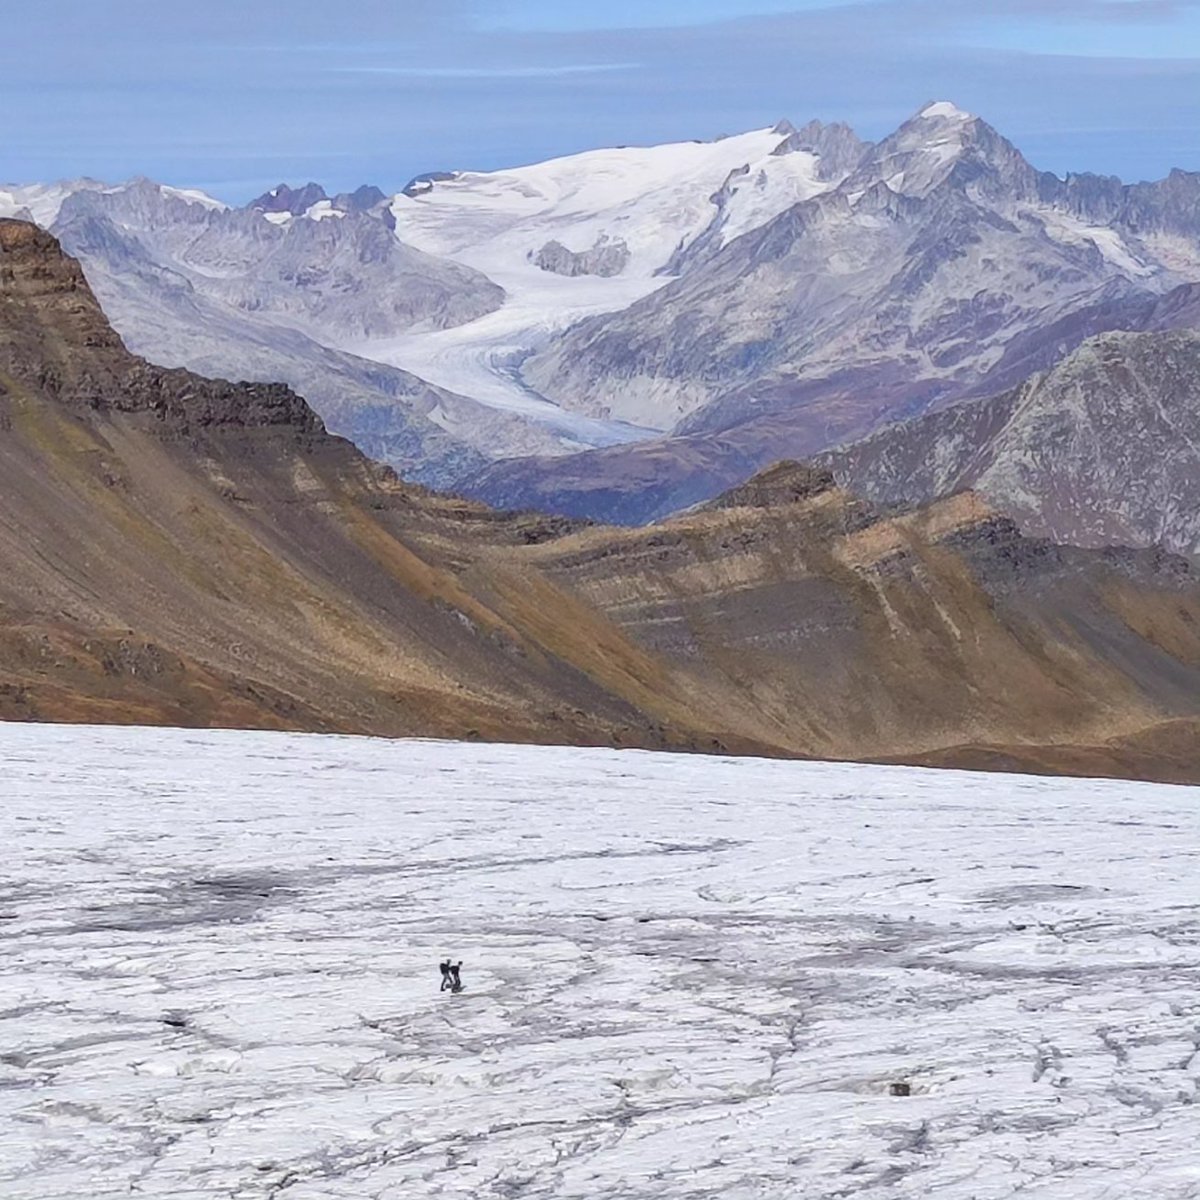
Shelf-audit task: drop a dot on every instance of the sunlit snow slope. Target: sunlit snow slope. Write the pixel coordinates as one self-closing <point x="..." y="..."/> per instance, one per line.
<point x="641" y="203"/>
<point x="686" y="977"/>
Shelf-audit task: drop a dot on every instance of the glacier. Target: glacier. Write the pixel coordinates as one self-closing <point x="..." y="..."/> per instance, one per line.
<point x="653" y="201"/>
<point x="685" y="976"/>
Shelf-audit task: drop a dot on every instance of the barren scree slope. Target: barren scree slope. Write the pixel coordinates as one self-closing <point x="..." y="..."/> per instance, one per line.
<point x="685" y="977"/>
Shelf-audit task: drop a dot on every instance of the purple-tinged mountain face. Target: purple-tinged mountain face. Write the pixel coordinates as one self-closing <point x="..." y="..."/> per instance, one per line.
<point x="1102" y="450"/>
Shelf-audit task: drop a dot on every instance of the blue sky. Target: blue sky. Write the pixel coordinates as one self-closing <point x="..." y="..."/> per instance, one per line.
<point x="235" y="96"/>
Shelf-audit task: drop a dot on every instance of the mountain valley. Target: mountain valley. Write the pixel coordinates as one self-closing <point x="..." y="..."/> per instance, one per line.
<point x="186" y="551"/>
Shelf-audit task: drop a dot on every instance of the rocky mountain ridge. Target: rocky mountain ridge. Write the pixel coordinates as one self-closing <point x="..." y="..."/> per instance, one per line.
<point x="1102" y="450"/>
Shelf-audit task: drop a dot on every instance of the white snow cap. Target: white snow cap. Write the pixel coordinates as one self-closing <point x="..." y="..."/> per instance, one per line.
<point x="943" y="108"/>
<point x="194" y="196"/>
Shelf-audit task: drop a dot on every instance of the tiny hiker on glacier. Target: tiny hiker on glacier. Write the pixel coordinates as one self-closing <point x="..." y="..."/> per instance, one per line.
<point x="455" y="981"/>
<point x="446" y="980"/>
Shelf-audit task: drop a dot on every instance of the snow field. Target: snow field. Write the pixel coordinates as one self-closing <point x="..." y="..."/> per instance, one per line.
<point x="686" y="977"/>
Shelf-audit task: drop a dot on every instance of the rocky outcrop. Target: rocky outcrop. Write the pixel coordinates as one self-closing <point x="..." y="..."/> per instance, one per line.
<point x="174" y="549"/>
<point x="784" y="483"/>
<point x="57" y="336"/>
<point x="285" y="199"/>
<point x="606" y="258"/>
<point x="1102" y="450"/>
<point x="296" y="202"/>
<point x="839" y="149"/>
<point x="421" y="185"/>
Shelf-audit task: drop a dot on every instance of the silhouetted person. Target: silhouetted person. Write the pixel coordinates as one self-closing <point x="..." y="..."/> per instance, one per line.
<point x="455" y="981"/>
<point x="446" y="979"/>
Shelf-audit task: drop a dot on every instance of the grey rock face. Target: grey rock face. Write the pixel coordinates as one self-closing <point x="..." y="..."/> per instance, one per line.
<point x="1102" y="450"/>
<point x="905" y="286"/>
<point x="606" y="258"/>
<point x="392" y="415"/>
<point x="341" y="279"/>
<point x="284" y="199"/>
<point x="838" y="147"/>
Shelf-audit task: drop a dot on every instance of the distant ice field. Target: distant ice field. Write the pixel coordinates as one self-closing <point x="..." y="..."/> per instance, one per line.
<point x="685" y="976"/>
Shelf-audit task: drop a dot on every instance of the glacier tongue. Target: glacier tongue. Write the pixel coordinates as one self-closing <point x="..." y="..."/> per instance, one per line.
<point x="685" y="976"/>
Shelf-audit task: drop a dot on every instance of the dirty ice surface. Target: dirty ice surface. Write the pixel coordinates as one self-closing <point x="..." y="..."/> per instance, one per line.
<point x="686" y="977"/>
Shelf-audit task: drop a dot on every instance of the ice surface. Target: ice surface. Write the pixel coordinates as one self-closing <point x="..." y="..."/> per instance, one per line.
<point x="686" y="977"/>
<point x="1072" y="231"/>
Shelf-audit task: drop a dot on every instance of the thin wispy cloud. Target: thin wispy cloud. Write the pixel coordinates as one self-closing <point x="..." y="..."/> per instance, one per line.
<point x="532" y="72"/>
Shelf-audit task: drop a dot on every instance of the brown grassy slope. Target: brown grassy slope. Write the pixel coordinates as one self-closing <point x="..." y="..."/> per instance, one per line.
<point x="177" y="550"/>
<point x="181" y="550"/>
<point x="821" y="627"/>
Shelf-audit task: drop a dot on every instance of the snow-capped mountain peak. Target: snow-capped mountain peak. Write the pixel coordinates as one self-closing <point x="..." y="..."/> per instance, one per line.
<point x="943" y="142"/>
<point x="944" y="110"/>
